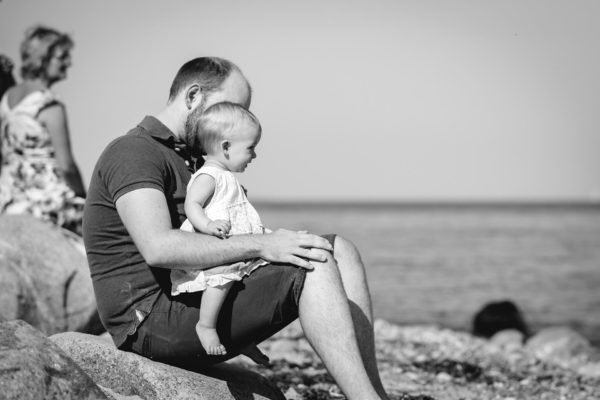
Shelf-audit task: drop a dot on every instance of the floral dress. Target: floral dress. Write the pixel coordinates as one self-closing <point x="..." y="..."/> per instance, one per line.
<point x="30" y="182"/>
<point x="228" y="202"/>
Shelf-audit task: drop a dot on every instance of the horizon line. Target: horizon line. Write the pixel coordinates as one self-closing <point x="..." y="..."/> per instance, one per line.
<point x="431" y="202"/>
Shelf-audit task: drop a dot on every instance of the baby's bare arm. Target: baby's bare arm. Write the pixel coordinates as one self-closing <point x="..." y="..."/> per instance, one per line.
<point x="198" y="195"/>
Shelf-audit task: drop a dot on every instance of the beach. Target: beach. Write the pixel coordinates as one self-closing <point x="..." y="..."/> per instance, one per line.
<point x="440" y="263"/>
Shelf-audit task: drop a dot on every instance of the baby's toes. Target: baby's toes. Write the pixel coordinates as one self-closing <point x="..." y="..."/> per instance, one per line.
<point x="222" y="350"/>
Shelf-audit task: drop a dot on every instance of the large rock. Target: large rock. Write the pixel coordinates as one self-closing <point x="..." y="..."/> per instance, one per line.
<point x="128" y="376"/>
<point x="560" y="345"/>
<point x="32" y="367"/>
<point x="498" y="316"/>
<point x="45" y="279"/>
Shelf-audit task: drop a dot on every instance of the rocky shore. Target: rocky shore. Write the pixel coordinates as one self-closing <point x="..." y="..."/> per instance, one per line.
<point x="427" y="362"/>
<point x="48" y="349"/>
<point x="416" y="363"/>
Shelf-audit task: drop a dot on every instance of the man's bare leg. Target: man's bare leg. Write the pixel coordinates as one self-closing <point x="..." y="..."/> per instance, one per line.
<point x="354" y="280"/>
<point x="327" y="323"/>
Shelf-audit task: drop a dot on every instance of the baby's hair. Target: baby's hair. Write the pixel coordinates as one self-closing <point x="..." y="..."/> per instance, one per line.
<point x="217" y="123"/>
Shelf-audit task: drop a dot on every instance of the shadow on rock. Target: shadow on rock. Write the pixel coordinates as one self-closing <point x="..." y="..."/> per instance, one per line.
<point x="32" y="367"/>
<point x="45" y="277"/>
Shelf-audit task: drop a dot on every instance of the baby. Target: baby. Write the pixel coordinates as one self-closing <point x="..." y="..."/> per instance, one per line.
<point x="216" y="204"/>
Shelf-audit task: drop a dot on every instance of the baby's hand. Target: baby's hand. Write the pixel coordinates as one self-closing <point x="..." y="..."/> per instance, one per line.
<point x="219" y="228"/>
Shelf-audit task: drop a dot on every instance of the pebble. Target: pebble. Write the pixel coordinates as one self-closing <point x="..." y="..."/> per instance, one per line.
<point x="412" y="376"/>
<point x="292" y="394"/>
<point x="421" y="358"/>
<point x="443" y="377"/>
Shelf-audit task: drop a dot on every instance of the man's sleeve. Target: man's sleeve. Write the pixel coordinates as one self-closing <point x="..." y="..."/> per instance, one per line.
<point x="132" y="163"/>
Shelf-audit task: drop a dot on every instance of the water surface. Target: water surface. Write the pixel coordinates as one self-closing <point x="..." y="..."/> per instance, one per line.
<point x="440" y="263"/>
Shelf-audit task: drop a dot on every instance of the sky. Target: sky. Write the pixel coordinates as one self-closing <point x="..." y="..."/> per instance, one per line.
<point x="378" y="100"/>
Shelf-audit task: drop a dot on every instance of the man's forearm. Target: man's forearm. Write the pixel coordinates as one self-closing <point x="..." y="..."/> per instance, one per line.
<point x="146" y="217"/>
<point x="184" y="250"/>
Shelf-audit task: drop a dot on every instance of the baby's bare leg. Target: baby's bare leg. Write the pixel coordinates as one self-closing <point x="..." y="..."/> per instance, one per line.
<point x="206" y="328"/>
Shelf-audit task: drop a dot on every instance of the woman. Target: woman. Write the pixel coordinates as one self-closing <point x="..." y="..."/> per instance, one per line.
<point x="38" y="173"/>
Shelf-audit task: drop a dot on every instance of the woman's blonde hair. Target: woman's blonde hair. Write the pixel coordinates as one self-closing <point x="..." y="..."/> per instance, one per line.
<point x="38" y="48"/>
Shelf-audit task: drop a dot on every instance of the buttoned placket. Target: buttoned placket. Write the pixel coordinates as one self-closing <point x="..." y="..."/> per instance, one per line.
<point x="187" y="158"/>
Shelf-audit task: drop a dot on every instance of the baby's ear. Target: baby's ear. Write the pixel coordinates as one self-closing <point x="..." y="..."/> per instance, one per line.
<point x="225" y="145"/>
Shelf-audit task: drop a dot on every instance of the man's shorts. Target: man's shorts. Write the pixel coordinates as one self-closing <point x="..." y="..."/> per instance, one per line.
<point x="257" y="307"/>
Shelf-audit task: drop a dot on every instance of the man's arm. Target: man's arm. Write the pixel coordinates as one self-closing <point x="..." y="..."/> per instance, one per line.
<point x="146" y="216"/>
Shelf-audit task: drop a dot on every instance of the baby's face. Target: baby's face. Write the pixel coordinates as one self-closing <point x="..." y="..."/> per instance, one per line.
<point x="242" y="149"/>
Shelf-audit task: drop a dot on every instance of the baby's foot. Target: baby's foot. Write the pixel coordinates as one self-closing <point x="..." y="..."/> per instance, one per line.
<point x="210" y="340"/>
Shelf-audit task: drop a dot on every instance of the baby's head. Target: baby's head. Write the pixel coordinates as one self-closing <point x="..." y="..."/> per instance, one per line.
<point x="227" y="133"/>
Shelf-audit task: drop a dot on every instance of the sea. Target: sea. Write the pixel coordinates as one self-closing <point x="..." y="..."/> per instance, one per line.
<point x="441" y="263"/>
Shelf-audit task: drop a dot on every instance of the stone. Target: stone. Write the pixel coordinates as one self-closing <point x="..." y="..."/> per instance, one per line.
<point x="591" y="370"/>
<point x="508" y="340"/>
<point x="45" y="277"/>
<point x="443" y="377"/>
<point x="292" y="394"/>
<point x="34" y="368"/>
<point x="126" y="375"/>
<point x="498" y="316"/>
<point x="560" y="345"/>
<point x="290" y="351"/>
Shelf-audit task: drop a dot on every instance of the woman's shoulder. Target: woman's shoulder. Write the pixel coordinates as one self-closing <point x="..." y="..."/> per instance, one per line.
<point x="25" y="95"/>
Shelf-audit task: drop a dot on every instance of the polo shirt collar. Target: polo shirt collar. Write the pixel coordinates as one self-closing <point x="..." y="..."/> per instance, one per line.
<point x="162" y="134"/>
<point x="159" y="131"/>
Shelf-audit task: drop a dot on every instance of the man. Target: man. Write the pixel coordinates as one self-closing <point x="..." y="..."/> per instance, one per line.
<point x="133" y="209"/>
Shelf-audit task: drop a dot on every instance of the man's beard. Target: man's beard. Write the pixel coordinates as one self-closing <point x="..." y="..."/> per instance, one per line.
<point x="191" y="136"/>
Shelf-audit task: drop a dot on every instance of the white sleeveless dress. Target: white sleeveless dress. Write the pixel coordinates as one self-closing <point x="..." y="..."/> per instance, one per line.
<point x="30" y="181"/>
<point x="229" y="203"/>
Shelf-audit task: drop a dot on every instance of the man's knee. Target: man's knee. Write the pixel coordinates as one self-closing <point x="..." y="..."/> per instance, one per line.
<point x="324" y="254"/>
<point x="348" y="259"/>
<point x="344" y="248"/>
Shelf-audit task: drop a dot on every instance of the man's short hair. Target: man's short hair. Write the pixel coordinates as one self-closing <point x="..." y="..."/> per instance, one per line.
<point x="208" y="72"/>
<point x="217" y="122"/>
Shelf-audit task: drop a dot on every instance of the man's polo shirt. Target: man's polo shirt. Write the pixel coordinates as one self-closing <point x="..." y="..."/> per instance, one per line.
<point x="126" y="287"/>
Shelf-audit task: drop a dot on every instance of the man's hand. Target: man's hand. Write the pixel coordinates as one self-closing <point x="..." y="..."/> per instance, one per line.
<point x="298" y="248"/>
<point x="219" y="228"/>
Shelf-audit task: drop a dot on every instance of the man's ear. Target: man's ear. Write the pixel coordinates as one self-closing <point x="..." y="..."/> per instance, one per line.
<point x="193" y="96"/>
